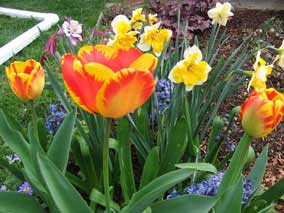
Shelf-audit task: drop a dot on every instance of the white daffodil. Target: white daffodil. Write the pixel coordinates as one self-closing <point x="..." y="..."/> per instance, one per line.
<point x="221" y="13"/>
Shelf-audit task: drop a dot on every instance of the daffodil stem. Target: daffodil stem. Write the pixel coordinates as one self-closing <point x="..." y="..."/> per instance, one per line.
<point x="34" y="120"/>
<point x="105" y="163"/>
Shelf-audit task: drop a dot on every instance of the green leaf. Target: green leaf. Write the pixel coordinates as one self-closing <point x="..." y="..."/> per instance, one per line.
<point x="231" y="199"/>
<point x="235" y="167"/>
<point x="147" y="195"/>
<point x="258" y="170"/>
<point x="11" y="168"/>
<point x="98" y="197"/>
<point x="15" y="202"/>
<point x="59" y="149"/>
<point x="205" y="167"/>
<point x="175" y="148"/>
<point x="65" y="196"/>
<point x="42" y="134"/>
<point x="83" y="159"/>
<point x="13" y="138"/>
<point x="273" y="193"/>
<point x="125" y="160"/>
<point x="185" y="203"/>
<point x="151" y="167"/>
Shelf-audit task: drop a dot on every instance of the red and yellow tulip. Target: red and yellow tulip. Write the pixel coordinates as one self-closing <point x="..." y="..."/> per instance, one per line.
<point x="261" y="112"/>
<point x="109" y="82"/>
<point x="26" y="78"/>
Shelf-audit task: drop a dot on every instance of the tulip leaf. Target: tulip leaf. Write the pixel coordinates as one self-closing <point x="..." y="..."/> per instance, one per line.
<point x="42" y="136"/>
<point x="231" y="199"/>
<point x="273" y="193"/>
<point x="204" y="167"/>
<point x="185" y="203"/>
<point x="175" y="147"/>
<point x="155" y="189"/>
<point x="84" y="160"/>
<point x="125" y="161"/>
<point x="65" y="196"/>
<point x="13" y="138"/>
<point x="98" y="197"/>
<point x="258" y="170"/>
<point x="15" y="202"/>
<point x="150" y="170"/>
<point x="231" y="176"/>
<point x="59" y="149"/>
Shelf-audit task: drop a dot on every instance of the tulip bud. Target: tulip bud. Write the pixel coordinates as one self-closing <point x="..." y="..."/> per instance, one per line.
<point x="261" y="112"/>
<point x="26" y="78"/>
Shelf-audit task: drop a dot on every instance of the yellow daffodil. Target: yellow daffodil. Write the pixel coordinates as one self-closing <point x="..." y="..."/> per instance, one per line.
<point x="121" y="24"/>
<point x="220" y="13"/>
<point x="192" y="70"/>
<point x="124" y="38"/>
<point x="123" y="41"/>
<point x="280" y="58"/>
<point x="137" y="19"/>
<point x="260" y="73"/>
<point x="155" y="38"/>
<point x="152" y="19"/>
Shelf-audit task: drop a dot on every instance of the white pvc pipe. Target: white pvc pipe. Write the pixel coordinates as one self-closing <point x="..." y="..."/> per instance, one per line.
<point x="23" y="40"/>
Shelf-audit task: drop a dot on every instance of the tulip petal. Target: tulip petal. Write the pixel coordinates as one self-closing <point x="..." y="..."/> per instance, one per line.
<point x="129" y="90"/>
<point x="145" y="62"/>
<point x="102" y="54"/>
<point x="35" y="82"/>
<point x="82" y="84"/>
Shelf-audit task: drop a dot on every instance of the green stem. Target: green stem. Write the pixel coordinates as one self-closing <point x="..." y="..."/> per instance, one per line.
<point x="105" y="163"/>
<point x="34" y="119"/>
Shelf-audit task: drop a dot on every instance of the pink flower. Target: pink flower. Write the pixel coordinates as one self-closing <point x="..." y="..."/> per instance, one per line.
<point x="50" y="46"/>
<point x="73" y="30"/>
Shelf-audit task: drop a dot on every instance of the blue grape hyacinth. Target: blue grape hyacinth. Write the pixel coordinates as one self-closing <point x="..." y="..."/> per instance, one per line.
<point x="26" y="188"/>
<point x="173" y="194"/>
<point x="163" y="93"/>
<point x="210" y="187"/>
<point x="55" y="118"/>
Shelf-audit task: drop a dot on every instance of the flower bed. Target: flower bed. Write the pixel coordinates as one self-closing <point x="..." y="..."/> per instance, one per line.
<point x="140" y="94"/>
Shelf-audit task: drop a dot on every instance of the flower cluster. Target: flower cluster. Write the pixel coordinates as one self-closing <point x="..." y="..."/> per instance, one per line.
<point x="163" y="93"/>
<point x="55" y="118"/>
<point x="127" y="31"/>
<point x="26" y="188"/>
<point x="210" y="187"/>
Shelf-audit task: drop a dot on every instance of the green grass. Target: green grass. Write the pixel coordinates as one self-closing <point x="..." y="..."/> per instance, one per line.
<point x="12" y="27"/>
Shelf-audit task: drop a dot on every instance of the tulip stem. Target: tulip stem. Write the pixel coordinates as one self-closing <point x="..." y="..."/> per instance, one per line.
<point x="34" y="119"/>
<point x="107" y="127"/>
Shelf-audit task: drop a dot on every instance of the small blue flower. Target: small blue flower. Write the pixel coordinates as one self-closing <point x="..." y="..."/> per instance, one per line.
<point x="3" y="188"/>
<point x="163" y="93"/>
<point x="55" y="118"/>
<point x="173" y="194"/>
<point x="13" y="158"/>
<point x="26" y="188"/>
<point x="210" y="187"/>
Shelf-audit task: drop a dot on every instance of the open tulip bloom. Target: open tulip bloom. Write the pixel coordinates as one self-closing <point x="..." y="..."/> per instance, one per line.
<point x="261" y="112"/>
<point x="109" y="83"/>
